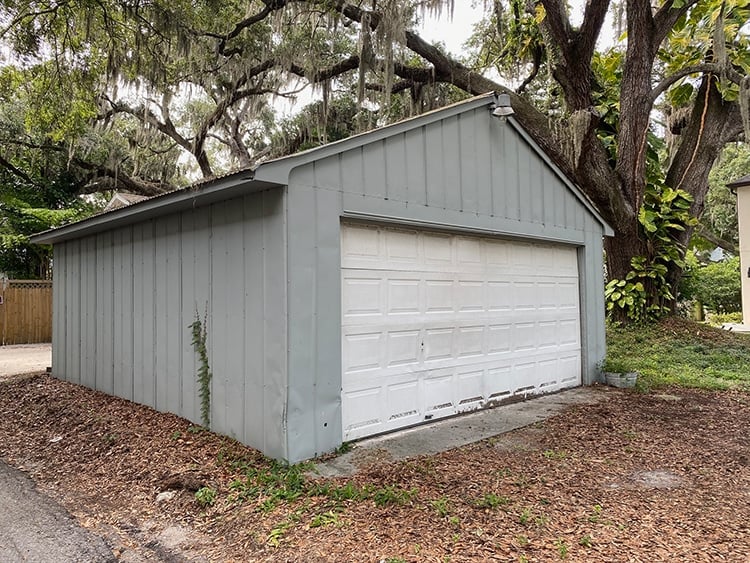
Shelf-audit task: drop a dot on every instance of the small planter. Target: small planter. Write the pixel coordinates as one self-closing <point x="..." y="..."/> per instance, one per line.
<point x="622" y="380"/>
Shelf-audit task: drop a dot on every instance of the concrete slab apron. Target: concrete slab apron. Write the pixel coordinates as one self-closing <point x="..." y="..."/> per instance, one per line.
<point x="458" y="431"/>
<point x="35" y="528"/>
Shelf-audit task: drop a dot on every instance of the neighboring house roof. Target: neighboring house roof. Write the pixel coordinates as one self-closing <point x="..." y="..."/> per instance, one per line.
<point x="275" y="173"/>
<point x="121" y="199"/>
<point x="739" y="183"/>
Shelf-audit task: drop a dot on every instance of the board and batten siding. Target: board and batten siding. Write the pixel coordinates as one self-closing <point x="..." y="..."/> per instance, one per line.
<point x="469" y="172"/>
<point x="124" y="299"/>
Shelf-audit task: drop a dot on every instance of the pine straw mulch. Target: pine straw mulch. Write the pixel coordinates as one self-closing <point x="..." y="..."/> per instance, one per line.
<point x="636" y="477"/>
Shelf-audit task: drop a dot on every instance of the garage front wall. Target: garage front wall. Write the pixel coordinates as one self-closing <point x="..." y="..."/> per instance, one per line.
<point x="467" y="173"/>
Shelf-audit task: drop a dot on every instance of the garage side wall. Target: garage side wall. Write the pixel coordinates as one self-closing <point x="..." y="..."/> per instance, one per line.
<point x="470" y="172"/>
<point x="124" y="301"/>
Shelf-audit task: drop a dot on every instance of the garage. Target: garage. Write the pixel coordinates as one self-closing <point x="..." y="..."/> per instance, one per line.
<point x="434" y="324"/>
<point x="438" y="265"/>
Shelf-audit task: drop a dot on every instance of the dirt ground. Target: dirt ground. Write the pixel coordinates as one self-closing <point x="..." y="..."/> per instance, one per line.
<point x="636" y="477"/>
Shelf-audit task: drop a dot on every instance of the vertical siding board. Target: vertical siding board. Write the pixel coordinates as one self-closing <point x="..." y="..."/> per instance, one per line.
<point x="74" y="311"/>
<point x="556" y="206"/>
<point x="218" y="326"/>
<point x="147" y="383"/>
<point x="275" y="321"/>
<point x="354" y="180"/>
<point x="188" y="307"/>
<point x="397" y="187"/>
<point x="88" y="338"/>
<point x="525" y="180"/>
<point x="327" y="172"/>
<point x="505" y="167"/>
<point x="435" y="184"/>
<point x="326" y="422"/>
<point x="138" y="299"/>
<point x="104" y="313"/>
<point x="254" y="326"/>
<point x="59" y="345"/>
<point x="483" y="156"/>
<point x="373" y="162"/>
<point x="468" y="164"/>
<point x="201" y="304"/>
<point x="451" y="162"/>
<point x="160" y="313"/>
<point x="235" y="318"/>
<point x="174" y="322"/>
<point x="416" y="177"/>
<point x="302" y="315"/>
<point x="124" y="306"/>
<point x="118" y="326"/>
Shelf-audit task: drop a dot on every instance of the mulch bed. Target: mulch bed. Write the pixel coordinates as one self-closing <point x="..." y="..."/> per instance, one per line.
<point x="637" y="477"/>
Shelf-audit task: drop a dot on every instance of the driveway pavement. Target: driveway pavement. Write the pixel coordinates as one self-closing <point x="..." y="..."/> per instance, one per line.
<point x="24" y="358"/>
<point x="458" y="431"/>
<point x="35" y="529"/>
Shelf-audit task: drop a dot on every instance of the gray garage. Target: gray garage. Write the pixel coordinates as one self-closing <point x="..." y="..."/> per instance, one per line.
<point x="438" y="265"/>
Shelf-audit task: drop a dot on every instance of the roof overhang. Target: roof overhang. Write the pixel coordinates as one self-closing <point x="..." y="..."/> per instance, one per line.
<point x="200" y="195"/>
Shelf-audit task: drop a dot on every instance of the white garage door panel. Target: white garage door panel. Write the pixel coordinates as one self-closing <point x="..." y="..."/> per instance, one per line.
<point x="436" y="324"/>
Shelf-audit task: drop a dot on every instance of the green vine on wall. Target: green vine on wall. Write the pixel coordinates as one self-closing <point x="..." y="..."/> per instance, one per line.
<point x="203" y="375"/>
<point x="645" y="293"/>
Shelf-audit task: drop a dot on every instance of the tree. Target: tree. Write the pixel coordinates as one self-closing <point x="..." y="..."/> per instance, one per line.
<point x="637" y="127"/>
<point x="718" y="225"/>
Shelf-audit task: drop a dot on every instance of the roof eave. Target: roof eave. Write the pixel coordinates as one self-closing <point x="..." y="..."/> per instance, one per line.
<point x="225" y="188"/>
<point x="608" y="230"/>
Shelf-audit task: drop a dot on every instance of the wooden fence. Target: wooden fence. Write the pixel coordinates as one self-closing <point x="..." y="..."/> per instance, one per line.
<point x="25" y="311"/>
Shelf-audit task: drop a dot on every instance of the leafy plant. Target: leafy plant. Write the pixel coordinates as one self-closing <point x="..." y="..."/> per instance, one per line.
<point x="391" y="494"/>
<point x="200" y="337"/>
<point x="491" y="500"/>
<point x="646" y="293"/>
<point x="614" y="365"/>
<point x="555" y="454"/>
<point x="325" y="519"/>
<point x="562" y="548"/>
<point x="525" y="516"/>
<point x="441" y="506"/>
<point x="206" y="496"/>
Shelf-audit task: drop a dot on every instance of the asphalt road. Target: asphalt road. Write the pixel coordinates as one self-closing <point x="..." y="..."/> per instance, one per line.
<point x="35" y="529"/>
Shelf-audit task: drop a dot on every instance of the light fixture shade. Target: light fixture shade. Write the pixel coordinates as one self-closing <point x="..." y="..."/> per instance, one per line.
<point x="502" y="106"/>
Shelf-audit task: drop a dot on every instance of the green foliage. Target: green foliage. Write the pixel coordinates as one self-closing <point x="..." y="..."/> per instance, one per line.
<point x="441" y="506"/>
<point x="328" y="518"/>
<point x="491" y="500"/>
<point x="684" y="353"/>
<point x="392" y="495"/>
<point x="720" y="216"/>
<point x="206" y="496"/>
<point x="717" y="285"/>
<point x="199" y="332"/>
<point x="720" y="319"/>
<point x="646" y="294"/>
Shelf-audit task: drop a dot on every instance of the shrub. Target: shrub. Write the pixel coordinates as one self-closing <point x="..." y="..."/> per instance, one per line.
<point x="717" y="285"/>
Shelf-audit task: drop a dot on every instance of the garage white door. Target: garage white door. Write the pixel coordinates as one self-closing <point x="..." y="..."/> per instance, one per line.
<point x="434" y="324"/>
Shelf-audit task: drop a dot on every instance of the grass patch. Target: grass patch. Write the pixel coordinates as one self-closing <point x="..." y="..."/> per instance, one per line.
<point x="683" y="353"/>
